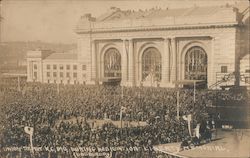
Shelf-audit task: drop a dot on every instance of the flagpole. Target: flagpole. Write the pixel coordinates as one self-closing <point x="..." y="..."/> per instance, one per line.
<point x="31" y="144"/>
<point x="178" y="104"/>
<point x="18" y="83"/>
<point x="121" y="109"/>
<point x="194" y="90"/>
<point x="58" y="90"/>
<point x="122" y="92"/>
<point x="121" y="117"/>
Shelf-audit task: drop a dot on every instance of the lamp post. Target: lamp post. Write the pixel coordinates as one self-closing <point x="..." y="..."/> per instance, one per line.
<point x="0" y="21"/>
<point x="18" y="83"/>
<point x="178" y="104"/>
<point x="194" y="90"/>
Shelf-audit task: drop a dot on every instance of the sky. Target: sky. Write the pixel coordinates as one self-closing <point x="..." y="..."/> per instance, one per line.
<point x="54" y="20"/>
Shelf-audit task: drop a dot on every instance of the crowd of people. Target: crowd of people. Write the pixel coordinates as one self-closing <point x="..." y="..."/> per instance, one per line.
<point x="59" y="115"/>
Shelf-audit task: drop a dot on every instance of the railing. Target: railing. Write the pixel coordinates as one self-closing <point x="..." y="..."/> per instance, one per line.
<point x="223" y="78"/>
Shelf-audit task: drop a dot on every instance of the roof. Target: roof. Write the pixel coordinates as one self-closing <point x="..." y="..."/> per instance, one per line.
<point x="116" y="19"/>
<point x="117" y="14"/>
<point x="62" y="56"/>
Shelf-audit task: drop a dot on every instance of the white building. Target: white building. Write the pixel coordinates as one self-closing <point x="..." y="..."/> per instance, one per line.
<point x="152" y="48"/>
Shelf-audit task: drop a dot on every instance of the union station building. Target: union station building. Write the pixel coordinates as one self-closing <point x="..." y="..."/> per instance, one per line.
<point x="156" y="47"/>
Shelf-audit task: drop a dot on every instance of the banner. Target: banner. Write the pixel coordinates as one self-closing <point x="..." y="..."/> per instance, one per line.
<point x="30" y="131"/>
<point x="188" y="118"/>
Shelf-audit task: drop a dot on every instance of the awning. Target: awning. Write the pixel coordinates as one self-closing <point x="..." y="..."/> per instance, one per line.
<point x="14" y="75"/>
<point x="111" y="79"/>
<point x="189" y="82"/>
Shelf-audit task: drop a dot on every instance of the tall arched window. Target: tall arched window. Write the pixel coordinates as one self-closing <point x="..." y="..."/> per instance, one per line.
<point x="151" y="65"/>
<point x="196" y="64"/>
<point x="112" y="63"/>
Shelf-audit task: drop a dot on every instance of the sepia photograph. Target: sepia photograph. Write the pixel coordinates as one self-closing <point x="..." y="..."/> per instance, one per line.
<point x="124" y="79"/>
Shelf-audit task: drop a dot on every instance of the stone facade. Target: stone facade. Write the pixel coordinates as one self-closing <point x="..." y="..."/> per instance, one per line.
<point x="218" y="32"/>
<point x="221" y="32"/>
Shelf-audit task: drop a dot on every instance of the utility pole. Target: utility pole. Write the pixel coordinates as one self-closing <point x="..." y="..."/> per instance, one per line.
<point x="178" y="104"/>
<point x="194" y="90"/>
<point x="18" y="83"/>
<point x="0" y="21"/>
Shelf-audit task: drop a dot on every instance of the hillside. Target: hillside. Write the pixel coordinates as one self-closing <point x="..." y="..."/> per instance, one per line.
<point x="13" y="54"/>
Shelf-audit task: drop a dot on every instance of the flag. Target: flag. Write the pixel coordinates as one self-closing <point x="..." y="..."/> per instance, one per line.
<point x="188" y="118"/>
<point x="157" y="117"/>
<point x="123" y="109"/>
<point x="29" y="130"/>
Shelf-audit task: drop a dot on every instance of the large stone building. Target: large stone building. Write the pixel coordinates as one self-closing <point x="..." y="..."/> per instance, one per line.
<point x="155" y="47"/>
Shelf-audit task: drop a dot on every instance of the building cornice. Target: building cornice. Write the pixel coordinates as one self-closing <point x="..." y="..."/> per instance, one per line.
<point x="156" y="28"/>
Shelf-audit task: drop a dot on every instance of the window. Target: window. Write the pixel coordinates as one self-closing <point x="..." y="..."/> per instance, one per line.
<point x="84" y="75"/>
<point x="48" y="74"/>
<point x="223" y="69"/>
<point x="54" y="67"/>
<point x="247" y="79"/>
<point x="61" y="74"/>
<point x="68" y="67"/>
<point x="35" y="74"/>
<point x="151" y="65"/>
<point x="75" y="67"/>
<point x="247" y="71"/>
<point x="48" y="67"/>
<point x="112" y="63"/>
<point x="67" y="74"/>
<point x="54" y="74"/>
<point x="61" y="67"/>
<point x="84" y="67"/>
<point x="196" y="64"/>
<point x="75" y="74"/>
<point x="35" y="66"/>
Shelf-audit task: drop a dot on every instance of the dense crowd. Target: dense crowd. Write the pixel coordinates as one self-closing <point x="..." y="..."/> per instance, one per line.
<point x="59" y="115"/>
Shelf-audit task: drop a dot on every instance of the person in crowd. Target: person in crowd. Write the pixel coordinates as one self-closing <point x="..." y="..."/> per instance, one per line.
<point x="68" y="117"/>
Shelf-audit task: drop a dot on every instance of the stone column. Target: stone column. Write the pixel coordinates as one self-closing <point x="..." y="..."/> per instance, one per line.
<point x="93" y="61"/>
<point x="211" y="67"/>
<point x="178" y="62"/>
<point x="124" y="62"/>
<point x="86" y="56"/>
<point x="31" y="70"/>
<point x="173" y="63"/>
<point x="131" y="68"/>
<point x="40" y="70"/>
<point x="28" y="70"/>
<point x="165" y="62"/>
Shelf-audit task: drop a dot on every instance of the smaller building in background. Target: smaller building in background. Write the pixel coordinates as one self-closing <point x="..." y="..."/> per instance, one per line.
<point x="49" y="67"/>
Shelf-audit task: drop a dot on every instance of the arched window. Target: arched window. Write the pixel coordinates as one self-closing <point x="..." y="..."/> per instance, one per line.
<point x="196" y="64"/>
<point x="151" y="65"/>
<point x="112" y="63"/>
